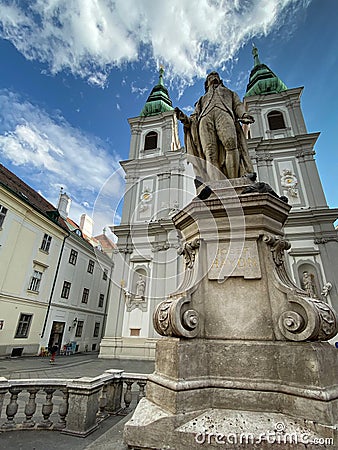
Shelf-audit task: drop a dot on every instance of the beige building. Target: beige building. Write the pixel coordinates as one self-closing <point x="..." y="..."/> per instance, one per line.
<point x="31" y="239"/>
<point x="54" y="275"/>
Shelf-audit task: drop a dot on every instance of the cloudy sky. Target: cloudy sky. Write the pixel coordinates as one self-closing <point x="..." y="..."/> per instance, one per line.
<point x="72" y="72"/>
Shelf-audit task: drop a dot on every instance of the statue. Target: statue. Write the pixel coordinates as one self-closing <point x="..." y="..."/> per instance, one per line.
<point x="326" y="289"/>
<point x="140" y="286"/>
<point x="308" y="284"/>
<point x="213" y="132"/>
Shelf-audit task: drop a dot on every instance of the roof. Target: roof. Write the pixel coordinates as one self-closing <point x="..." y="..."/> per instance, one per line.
<point x="158" y="100"/>
<point x="262" y="80"/>
<point x="28" y="195"/>
<point x="106" y="243"/>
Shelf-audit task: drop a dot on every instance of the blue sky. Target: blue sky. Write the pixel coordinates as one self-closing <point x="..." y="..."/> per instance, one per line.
<point x="72" y="73"/>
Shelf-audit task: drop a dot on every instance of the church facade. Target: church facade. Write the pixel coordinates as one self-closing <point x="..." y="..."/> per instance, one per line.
<point x="159" y="182"/>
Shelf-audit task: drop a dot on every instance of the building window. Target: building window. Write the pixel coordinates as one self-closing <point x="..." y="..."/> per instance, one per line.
<point x="79" y="328"/>
<point x="73" y="257"/>
<point x="35" y="281"/>
<point x="150" y="141"/>
<point x="3" y="212"/>
<point x="23" y="325"/>
<point x="90" y="266"/>
<point x="46" y="242"/>
<point x="276" y="120"/>
<point x="85" y="295"/>
<point x="96" y="329"/>
<point x="105" y="274"/>
<point x="101" y="300"/>
<point x="65" y="289"/>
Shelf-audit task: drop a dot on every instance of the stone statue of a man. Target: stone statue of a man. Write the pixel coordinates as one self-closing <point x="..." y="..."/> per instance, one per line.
<point x="140" y="286"/>
<point x="213" y="132"/>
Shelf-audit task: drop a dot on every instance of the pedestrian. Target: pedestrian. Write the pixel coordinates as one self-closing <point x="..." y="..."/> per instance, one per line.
<point x="53" y="351"/>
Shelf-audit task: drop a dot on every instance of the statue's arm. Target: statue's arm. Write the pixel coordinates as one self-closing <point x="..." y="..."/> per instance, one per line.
<point x="240" y="113"/>
<point x="182" y="117"/>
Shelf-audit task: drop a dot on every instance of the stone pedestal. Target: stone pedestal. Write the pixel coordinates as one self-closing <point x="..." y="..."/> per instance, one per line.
<point x="243" y="351"/>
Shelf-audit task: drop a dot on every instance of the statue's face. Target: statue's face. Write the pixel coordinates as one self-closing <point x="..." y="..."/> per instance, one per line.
<point x="213" y="79"/>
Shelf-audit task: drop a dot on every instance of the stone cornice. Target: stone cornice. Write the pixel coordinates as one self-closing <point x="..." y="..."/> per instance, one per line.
<point x="311" y="216"/>
<point x="265" y="99"/>
<point x="287" y="143"/>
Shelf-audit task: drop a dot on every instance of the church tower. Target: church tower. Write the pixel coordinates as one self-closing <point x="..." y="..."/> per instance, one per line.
<point x="282" y="151"/>
<point x="147" y="266"/>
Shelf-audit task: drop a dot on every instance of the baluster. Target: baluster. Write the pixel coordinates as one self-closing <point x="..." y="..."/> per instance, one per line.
<point x="63" y="410"/>
<point x="47" y="409"/>
<point x="141" y="392"/>
<point x="12" y="408"/>
<point x="30" y="407"/>
<point x="103" y="403"/>
<point x="127" y="397"/>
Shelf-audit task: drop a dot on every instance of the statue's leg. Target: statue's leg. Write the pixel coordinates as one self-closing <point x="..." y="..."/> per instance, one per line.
<point x="208" y="138"/>
<point x="227" y="135"/>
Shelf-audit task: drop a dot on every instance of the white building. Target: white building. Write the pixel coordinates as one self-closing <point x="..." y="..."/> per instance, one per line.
<point x="147" y="266"/>
<point x="77" y="309"/>
<point x="283" y="153"/>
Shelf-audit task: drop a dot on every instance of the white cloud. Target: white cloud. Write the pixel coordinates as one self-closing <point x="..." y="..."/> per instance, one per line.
<point x="56" y="154"/>
<point x="89" y="37"/>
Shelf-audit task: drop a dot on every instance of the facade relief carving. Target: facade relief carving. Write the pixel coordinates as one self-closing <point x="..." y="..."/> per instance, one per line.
<point x="289" y="182"/>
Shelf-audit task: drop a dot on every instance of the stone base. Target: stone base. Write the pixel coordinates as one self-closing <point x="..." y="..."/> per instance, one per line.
<point x="249" y="387"/>
<point x="128" y="348"/>
<point x="153" y="428"/>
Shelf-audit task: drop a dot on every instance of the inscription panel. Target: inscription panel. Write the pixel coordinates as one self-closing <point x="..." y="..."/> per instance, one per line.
<point x="235" y="260"/>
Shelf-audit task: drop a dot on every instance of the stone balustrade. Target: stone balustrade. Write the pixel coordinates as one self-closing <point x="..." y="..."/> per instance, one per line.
<point x="74" y="406"/>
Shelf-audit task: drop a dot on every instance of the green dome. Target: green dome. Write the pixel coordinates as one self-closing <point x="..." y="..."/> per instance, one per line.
<point x="158" y="100"/>
<point x="262" y="79"/>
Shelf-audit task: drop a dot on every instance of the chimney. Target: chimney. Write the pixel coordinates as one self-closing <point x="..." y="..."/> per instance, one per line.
<point x="86" y="225"/>
<point x="64" y="204"/>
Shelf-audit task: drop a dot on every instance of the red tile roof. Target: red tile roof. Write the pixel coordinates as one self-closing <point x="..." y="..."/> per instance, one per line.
<point x="27" y="194"/>
<point x="106" y="243"/>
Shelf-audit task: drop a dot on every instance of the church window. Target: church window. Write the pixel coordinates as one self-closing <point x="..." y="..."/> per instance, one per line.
<point x="276" y="120"/>
<point x="150" y="142"/>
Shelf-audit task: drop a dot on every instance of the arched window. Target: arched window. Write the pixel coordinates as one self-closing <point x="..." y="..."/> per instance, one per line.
<point x="276" y="120"/>
<point x="150" y="141"/>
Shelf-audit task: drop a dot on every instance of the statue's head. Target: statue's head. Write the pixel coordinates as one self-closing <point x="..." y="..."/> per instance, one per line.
<point x="212" y="79"/>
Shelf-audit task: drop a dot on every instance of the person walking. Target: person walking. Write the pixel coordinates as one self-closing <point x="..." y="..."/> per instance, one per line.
<point x="53" y="351"/>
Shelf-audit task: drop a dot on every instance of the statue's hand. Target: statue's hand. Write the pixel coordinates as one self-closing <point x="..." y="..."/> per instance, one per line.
<point x="247" y="119"/>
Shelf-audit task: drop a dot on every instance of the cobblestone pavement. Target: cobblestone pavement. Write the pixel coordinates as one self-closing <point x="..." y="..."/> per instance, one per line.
<point x="73" y="366"/>
<point x="109" y="433"/>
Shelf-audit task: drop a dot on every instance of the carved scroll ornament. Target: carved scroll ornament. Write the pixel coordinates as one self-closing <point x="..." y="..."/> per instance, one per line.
<point x="188" y="250"/>
<point x="173" y="317"/>
<point x="170" y="319"/>
<point x="308" y="318"/>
